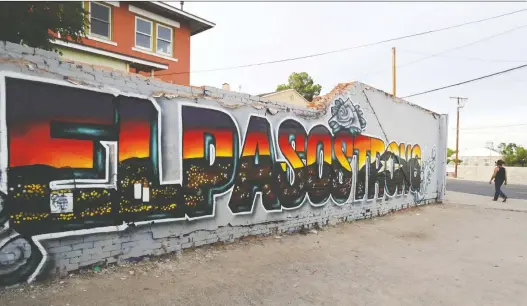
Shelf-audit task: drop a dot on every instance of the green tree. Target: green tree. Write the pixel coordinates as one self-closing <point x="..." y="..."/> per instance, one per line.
<point x="32" y="23"/>
<point x="302" y="83"/>
<point x="450" y="156"/>
<point x="513" y="154"/>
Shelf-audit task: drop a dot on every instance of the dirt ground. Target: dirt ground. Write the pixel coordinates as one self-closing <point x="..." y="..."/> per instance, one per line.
<point x="450" y="254"/>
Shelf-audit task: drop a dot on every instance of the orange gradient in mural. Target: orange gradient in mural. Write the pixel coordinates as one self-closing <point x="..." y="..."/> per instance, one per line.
<point x="31" y="144"/>
<point x="312" y="142"/>
<point x="194" y="143"/>
<point x="365" y="144"/>
<point x="256" y="141"/>
<point x="287" y="150"/>
<point x="416" y="152"/>
<point x="134" y="140"/>
<point x="342" y="157"/>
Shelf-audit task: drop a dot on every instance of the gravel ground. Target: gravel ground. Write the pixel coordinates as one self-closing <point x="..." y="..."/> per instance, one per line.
<point x="458" y="253"/>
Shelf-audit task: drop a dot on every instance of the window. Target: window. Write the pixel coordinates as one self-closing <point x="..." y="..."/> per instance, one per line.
<point x="164" y="40"/>
<point x="143" y="33"/>
<point x="100" y="20"/>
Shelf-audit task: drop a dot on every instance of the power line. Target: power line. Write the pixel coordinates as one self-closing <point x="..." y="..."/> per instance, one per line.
<point x="449" y="50"/>
<point x="465" y="45"/>
<point x="346" y="49"/>
<point x="465" y="82"/>
<point x="492" y="126"/>
<point x="465" y="57"/>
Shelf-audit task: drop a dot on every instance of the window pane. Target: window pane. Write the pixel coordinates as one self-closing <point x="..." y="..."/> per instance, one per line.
<point x="164" y="33"/>
<point x="163" y="46"/>
<point x="142" y="40"/>
<point x="144" y="26"/>
<point x="100" y="28"/>
<point x="100" y="12"/>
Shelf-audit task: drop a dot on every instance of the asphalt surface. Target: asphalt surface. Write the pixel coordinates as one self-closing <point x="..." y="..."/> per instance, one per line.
<point x="485" y="189"/>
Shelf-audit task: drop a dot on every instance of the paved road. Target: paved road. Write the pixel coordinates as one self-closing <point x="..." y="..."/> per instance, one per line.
<point x="483" y="188"/>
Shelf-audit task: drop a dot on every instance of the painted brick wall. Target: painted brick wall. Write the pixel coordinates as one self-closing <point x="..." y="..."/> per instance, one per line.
<point x="388" y="119"/>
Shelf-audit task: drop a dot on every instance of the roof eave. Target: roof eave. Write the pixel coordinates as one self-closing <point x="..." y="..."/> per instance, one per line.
<point x="197" y="24"/>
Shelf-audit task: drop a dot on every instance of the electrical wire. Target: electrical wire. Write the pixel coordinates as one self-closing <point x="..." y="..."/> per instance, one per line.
<point x="346" y="49"/>
<point x="448" y="50"/>
<point x="465" y="45"/>
<point x="467" y="81"/>
<point x="490" y="126"/>
<point x="464" y="57"/>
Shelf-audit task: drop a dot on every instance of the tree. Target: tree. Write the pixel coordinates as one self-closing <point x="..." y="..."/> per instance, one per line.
<point x="513" y="154"/>
<point x="449" y="153"/>
<point x="302" y="83"/>
<point x="32" y="23"/>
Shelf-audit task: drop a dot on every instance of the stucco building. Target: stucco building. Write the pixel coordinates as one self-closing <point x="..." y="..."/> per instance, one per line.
<point x="479" y="157"/>
<point x="150" y="38"/>
<point x="289" y="96"/>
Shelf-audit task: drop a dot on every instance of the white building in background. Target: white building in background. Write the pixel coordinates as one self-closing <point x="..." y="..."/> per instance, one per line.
<point x="479" y="157"/>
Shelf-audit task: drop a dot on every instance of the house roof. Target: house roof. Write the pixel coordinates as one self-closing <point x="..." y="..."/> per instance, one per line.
<point x="269" y="94"/>
<point x="196" y="24"/>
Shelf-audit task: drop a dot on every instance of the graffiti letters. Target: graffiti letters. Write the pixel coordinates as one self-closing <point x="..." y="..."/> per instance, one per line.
<point x="80" y="159"/>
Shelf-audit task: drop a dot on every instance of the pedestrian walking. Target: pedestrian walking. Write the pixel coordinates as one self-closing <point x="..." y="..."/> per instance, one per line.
<point x="500" y="177"/>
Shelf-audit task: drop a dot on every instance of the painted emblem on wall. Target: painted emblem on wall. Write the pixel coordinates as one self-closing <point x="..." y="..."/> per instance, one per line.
<point x="347" y="116"/>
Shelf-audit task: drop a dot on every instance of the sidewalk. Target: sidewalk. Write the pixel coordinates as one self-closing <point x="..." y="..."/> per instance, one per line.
<point x="468" y="251"/>
<point x="485" y="202"/>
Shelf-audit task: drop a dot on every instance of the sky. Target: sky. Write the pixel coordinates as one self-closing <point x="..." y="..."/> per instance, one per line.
<point x="252" y="32"/>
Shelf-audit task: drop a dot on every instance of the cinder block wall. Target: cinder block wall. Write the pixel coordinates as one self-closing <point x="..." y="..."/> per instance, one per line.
<point x="384" y="120"/>
<point x="515" y="175"/>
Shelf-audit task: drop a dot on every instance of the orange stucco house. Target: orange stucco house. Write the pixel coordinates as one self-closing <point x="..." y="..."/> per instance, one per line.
<point x="150" y="38"/>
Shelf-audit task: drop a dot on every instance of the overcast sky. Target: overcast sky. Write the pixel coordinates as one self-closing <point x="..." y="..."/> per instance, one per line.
<point x="248" y="33"/>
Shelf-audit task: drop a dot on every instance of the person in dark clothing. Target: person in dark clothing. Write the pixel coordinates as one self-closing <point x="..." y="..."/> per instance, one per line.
<point x="500" y="177"/>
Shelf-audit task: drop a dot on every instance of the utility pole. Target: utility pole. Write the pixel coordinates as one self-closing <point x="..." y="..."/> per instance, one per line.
<point x="394" y="80"/>
<point x="459" y="105"/>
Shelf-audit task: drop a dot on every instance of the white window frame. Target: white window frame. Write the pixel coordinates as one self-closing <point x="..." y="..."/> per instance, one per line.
<point x="109" y="38"/>
<point x="151" y="34"/>
<point x="171" y="49"/>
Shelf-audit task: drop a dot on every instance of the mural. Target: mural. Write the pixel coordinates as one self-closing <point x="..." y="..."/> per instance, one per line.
<point x="79" y="159"/>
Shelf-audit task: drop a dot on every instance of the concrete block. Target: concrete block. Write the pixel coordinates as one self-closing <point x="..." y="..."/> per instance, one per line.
<point x="71" y="240"/>
<point x="73" y="254"/>
<point x="90" y="262"/>
<point x="212" y="240"/>
<point x="146" y="236"/>
<point x="60" y="249"/>
<point x="10" y="67"/>
<point x="80" y="259"/>
<point x="199" y="243"/>
<point x="101" y="255"/>
<point x="111" y="260"/>
<point x="51" y="243"/>
<point x="17" y="48"/>
<point x="187" y="245"/>
<point x="84" y="245"/>
<point x="91" y="251"/>
<point x="116" y="253"/>
<point x="46" y="54"/>
<point x="131" y="244"/>
<point x="111" y="247"/>
<point x="196" y="91"/>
